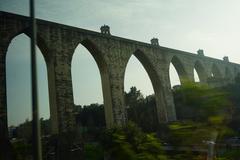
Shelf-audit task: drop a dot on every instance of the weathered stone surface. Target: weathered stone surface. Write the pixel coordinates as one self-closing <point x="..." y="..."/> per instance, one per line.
<point x="3" y="98"/>
<point x="58" y="42"/>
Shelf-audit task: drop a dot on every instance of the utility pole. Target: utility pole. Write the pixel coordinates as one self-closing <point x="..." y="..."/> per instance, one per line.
<point x="37" y="150"/>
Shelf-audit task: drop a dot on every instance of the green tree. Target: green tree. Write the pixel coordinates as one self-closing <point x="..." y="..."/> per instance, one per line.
<point x="204" y="113"/>
<point x="133" y="97"/>
<point x="91" y="116"/>
<point x="201" y="103"/>
<point x="129" y="142"/>
<point x="141" y="110"/>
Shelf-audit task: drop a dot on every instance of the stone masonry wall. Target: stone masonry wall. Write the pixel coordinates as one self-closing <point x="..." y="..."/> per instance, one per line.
<point x="58" y="42"/>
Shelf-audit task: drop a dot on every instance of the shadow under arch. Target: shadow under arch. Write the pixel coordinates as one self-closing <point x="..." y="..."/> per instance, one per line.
<point x="200" y="71"/>
<point x="215" y="72"/>
<point x="105" y="81"/>
<point x="178" y="65"/>
<point x="156" y="84"/>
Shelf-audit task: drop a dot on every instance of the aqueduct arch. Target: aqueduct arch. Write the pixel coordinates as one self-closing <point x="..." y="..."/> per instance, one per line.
<point x="43" y="49"/>
<point x="104" y="73"/>
<point x="20" y="74"/>
<point x="58" y="42"/>
<point x="201" y="72"/>
<point x="181" y="71"/>
<point x="156" y="83"/>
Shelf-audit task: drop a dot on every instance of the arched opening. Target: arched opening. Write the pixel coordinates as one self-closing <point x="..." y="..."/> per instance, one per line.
<point x="141" y="92"/>
<point x="88" y="71"/>
<point x="177" y="73"/>
<point x="86" y="78"/>
<point x="136" y="75"/>
<point x="196" y="77"/>
<point x="18" y="85"/>
<point x="199" y="72"/>
<point x="173" y="75"/>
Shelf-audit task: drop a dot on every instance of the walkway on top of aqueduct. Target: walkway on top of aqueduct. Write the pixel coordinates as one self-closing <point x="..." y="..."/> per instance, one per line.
<point x="58" y="42"/>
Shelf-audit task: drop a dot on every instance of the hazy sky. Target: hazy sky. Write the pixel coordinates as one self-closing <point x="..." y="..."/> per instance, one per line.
<point x="182" y="24"/>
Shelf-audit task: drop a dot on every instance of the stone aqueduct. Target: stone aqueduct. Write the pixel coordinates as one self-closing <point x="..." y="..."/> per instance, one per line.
<point x="58" y="42"/>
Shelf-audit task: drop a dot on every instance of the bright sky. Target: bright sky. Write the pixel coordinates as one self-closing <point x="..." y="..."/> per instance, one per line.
<point x="181" y="24"/>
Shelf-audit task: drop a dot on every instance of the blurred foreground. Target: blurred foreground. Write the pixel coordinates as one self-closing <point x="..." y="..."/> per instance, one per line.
<point x="207" y="128"/>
